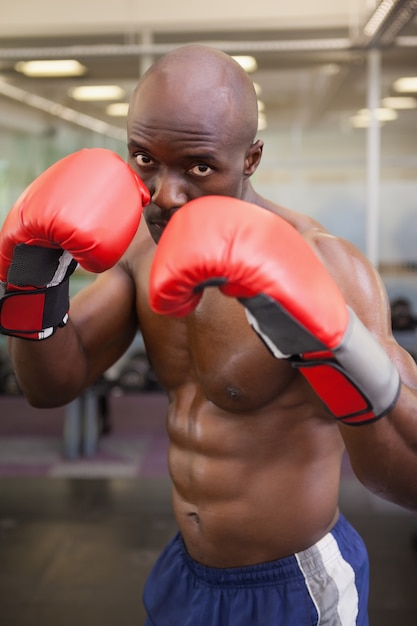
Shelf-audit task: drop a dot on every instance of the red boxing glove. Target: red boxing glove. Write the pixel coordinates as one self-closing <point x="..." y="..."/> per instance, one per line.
<point x="83" y="209"/>
<point x="291" y="300"/>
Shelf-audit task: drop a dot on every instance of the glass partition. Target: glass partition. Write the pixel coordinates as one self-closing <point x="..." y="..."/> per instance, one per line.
<point x="315" y="158"/>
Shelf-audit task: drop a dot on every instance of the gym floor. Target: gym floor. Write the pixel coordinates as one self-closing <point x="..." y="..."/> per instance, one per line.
<point x="78" y="536"/>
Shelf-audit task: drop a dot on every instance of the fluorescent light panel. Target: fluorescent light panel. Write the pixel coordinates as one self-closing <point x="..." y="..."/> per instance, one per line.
<point x="118" y="109"/>
<point x="60" y="111"/>
<point x="406" y="84"/>
<point x="400" y="102"/>
<point x="262" y="122"/>
<point x="382" y="114"/>
<point x="362" y="118"/>
<point x="257" y="88"/>
<point x="97" y="92"/>
<point x="51" y="68"/>
<point x="248" y="63"/>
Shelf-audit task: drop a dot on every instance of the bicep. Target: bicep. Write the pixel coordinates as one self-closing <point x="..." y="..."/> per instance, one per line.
<point x="365" y="292"/>
<point x="357" y="279"/>
<point x="104" y="317"/>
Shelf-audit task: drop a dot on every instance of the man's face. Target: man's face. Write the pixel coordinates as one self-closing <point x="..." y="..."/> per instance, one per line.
<point x="182" y="154"/>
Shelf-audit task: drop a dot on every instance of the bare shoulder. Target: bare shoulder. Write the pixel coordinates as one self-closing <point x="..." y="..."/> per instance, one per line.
<point x="355" y="276"/>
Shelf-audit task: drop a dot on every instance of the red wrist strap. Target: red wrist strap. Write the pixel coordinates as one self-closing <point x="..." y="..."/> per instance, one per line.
<point x="338" y="392"/>
<point x="35" y="313"/>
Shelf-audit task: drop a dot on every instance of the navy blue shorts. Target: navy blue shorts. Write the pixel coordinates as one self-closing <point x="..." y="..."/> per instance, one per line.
<point x="326" y="584"/>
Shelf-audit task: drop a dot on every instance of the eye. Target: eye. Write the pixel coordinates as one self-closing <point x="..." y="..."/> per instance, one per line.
<point x="142" y="160"/>
<point x="201" y="169"/>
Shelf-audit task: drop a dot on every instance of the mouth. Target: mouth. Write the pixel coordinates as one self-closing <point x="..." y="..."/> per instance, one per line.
<point x="156" y="226"/>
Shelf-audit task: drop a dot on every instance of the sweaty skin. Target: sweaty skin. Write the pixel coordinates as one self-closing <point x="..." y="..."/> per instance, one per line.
<point x="254" y="455"/>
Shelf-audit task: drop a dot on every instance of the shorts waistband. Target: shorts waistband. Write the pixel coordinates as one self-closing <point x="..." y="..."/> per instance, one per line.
<point x="272" y="572"/>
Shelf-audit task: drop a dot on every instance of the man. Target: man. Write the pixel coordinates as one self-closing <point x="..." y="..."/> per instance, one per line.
<point x="256" y="442"/>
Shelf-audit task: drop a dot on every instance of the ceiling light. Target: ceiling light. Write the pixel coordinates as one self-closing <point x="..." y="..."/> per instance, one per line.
<point x="248" y="63"/>
<point x="262" y="121"/>
<point x="406" y="84"/>
<point x="261" y="106"/>
<point x="58" y="110"/>
<point x="360" y="121"/>
<point x="97" y="92"/>
<point x="382" y="114"/>
<point x="362" y="118"/>
<point x="51" y="68"/>
<point x="257" y="88"/>
<point x="118" y="109"/>
<point x="400" y="102"/>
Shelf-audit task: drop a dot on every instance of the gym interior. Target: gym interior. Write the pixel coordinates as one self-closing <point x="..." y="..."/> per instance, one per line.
<point x="85" y="504"/>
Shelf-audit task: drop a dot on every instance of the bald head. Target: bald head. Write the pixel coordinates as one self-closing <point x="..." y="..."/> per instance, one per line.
<point x="201" y="84"/>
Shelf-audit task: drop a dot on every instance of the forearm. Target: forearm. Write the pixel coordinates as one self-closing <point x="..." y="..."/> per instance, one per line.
<point x="85" y="209"/>
<point x="384" y="454"/>
<point x="50" y="372"/>
<point x="102" y="324"/>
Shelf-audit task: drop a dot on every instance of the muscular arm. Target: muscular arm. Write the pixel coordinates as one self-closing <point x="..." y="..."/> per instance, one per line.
<point x="85" y="209"/>
<point x="102" y="324"/>
<point x="383" y="454"/>
<point x="298" y="308"/>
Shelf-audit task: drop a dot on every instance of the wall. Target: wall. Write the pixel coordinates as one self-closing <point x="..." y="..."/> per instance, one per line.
<point x="321" y="172"/>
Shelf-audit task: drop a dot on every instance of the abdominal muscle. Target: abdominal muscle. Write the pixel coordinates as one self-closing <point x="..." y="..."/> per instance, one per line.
<point x="251" y="487"/>
<point x="254" y="456"/>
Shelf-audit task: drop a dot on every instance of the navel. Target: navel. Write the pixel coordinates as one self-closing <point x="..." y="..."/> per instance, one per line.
<point x="194" y="517"/>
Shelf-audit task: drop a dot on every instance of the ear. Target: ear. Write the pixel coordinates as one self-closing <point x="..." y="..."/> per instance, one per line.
<point x="253" y="158"/>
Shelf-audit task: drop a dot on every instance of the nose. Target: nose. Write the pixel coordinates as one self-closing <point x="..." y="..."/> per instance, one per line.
<point x="168" y="191"/>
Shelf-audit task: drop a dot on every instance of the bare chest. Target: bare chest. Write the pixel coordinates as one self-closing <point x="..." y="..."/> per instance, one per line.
<point x="215" y="349"/>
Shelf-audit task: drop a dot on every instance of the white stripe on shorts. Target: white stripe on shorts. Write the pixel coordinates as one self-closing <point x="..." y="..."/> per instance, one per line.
<point x="331" y="583"/>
